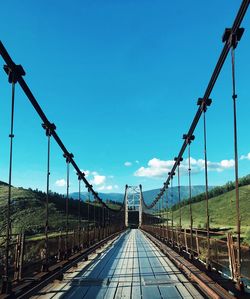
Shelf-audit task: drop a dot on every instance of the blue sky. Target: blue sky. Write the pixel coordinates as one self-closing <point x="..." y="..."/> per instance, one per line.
<point x="120" y="79"/>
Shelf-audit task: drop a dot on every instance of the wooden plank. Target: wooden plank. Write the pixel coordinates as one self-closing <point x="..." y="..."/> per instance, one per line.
<point x="133" y="267"/>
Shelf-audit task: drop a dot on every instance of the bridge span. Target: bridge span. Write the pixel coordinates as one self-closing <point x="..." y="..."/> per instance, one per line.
<point x="86" y="249"/>
<point x="130" y="267"/>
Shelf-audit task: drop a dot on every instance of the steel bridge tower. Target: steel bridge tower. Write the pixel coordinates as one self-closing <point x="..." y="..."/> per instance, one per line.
<point x="133" y="206"/>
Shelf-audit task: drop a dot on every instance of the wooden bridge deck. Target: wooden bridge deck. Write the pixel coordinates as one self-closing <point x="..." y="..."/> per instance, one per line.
<point x="132" y="267"/>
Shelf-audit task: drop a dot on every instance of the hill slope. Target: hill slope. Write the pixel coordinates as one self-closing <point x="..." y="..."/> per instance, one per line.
<point x="222" y="212"/>
<point x="105" y="196"/>
<point x="28" y="210"/>
<point x="28" y="207"/>
<point x="148" y="195"/>
<point x="195" y="190"/>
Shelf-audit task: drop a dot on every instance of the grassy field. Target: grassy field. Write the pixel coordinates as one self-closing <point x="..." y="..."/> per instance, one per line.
<point x="28" y="211"/>
<point x="222" y="212"/>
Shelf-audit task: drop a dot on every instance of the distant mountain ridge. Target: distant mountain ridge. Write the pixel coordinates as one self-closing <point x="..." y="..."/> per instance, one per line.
<point x="184" y="191"/>
<point x="105" y="196"/>
<point x="148" y="195"/>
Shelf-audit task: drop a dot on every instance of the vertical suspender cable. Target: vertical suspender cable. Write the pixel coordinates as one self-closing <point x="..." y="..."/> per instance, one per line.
<point x="159" y="220"/>
<point x="172" y="215"/>
<point x="94" y="215"/>
<point x="234" y="96"/>
<point x="179" y="202"/>
<point x="6" y="287"/>
<point x="162" y="198"/>
<point x="108" y="223"/>
<point x="99" y="221"/>
<point x="164" y="213"/>
<point x="67" y="210"/>
<point x="79" y="212"/>
<point x="203" y="106"/>
<point x="190" y="203"/>
<point x="179" y="194"/>
<point x="46" y="247"/>
<point x="88" y="239"/>
<point x="206" y="191"/>
<point x="103" y="224"/>
<point x="167" y="212"/>
<point x="47" y="201"/>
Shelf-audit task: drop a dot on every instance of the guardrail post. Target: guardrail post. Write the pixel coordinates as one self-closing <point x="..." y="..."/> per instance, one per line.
<point x="197" y="242"/>
<point x="21" y="257"/>
<point x="17" y="255"/>
<point x="185" y="238"/>
<point x="59" y="252"/>
<point x="231" y="256"/>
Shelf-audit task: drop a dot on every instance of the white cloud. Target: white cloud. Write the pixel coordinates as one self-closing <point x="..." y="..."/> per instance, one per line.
<point x="227" y="163"/>
<point x="60" y="183"/>
<point x="116" y="186"/>
<point x="245" y="157"/>
<point x="156" y="168"/>
<point x="104" y="187"/>
<point x="127" y="164"/>
<point x="98" y="179"/>
<point x="160" y="168"/>
<point x="137" y="162"/>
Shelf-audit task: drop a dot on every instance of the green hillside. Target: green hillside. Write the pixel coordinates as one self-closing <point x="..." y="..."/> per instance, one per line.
<point x="222" y="212"/>
<point x="28" y="210"/>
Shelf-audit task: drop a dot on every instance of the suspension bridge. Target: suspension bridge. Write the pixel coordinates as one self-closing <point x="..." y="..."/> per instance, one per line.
<point x="131" y="250"/>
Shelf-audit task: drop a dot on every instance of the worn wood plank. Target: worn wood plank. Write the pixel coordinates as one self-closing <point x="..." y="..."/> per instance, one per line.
<point x="133" y="267"/>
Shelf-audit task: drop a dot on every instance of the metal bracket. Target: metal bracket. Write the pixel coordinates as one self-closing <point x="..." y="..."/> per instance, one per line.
<point x="49" y="128"/>
<point x="68" y="157"/>
<point x="232" y="38"/>
<point x="204" y="103"/>
<point x="80" y="175"/>
<point x="188" y="139"/>
<point x="178" y="160"/>
<point x="14" y="73"/>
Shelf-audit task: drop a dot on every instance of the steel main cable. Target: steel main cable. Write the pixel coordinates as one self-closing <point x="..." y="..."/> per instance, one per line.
<point x="239" y="17"/>
<point x="19" y="73"/>
<point x="227" y="46"/>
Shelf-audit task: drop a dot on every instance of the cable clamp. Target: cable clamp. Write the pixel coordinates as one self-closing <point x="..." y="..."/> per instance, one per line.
<point x="178" y="160"/>
<point x="171" y="174"/>
<point x="232" y="38"/>
<point x="188" y="139"/>
<point x="68" y="157"/>
<point x="80" y="175"/>
<point x="14" y="73"/>
<point x="49" y="128"/>
<point x="204" y="103"/>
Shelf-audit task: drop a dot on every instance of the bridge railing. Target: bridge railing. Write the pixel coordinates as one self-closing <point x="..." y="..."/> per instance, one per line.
<point x="27" y="255"/>
<point x="222" y="251"/>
